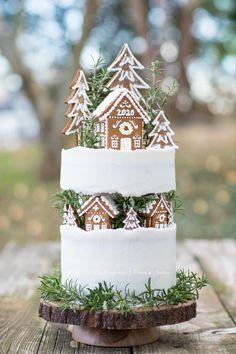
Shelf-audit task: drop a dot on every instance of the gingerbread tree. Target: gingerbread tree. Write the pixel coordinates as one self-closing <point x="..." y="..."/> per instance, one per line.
<point x="70" y="216"/>
<point x="78" y="103"/>
<point x="131" y="221"/>
<point x="125" y="76"/>
<point x="161" y="135"/>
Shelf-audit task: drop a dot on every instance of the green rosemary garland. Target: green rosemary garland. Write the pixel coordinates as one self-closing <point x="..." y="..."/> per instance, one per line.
<point x="107" y="297"/>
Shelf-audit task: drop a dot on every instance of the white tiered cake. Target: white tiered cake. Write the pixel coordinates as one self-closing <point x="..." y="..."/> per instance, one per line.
<point x="144" y="246"/>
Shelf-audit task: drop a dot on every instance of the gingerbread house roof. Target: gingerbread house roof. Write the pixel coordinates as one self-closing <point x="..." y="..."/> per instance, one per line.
<point x="113" y="99"/>
<point x="152" y="207"/>
<point x="105" y="203"/>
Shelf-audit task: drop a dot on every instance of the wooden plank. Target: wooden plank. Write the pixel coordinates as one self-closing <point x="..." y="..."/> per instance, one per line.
<point x="20" y="328"/>
<point x="211" y="313"/>
<point x="20" y="266"/>
<point x="23" y="332"/>
<point x="64" y="343"/>
<point x="19" y="332"/>
<point x="218" y="261"/>
<point x="211" y="331"/>
<point x="49" y="339"/>
<point x="86" y="349"/>
<point x="203" y="343"/>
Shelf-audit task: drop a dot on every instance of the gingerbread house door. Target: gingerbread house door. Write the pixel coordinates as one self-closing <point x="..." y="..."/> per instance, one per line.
<point x="125" y="144"/>
<point x="96" y="227"/>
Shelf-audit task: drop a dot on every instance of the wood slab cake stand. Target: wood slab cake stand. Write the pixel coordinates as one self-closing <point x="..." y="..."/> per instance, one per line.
<point x="114" y="328"/>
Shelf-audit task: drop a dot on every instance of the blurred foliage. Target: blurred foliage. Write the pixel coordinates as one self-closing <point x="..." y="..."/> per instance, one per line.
<point x="25" y="208"/>
<point x="206" y="180"/>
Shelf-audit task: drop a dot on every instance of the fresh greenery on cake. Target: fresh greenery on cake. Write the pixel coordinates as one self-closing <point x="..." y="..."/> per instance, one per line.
<point x="123" y="204"/>
<point x="107" y="297"/>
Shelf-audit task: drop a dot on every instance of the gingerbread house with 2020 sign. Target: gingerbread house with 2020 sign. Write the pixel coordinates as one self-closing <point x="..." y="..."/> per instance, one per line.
<point x="98" y="212"/>
<point x="120" y="118"/>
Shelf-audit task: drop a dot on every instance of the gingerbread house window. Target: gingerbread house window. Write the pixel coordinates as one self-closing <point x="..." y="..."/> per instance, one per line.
<point x="102" y="127"/>
<point x="137" y="141"/>
<point x="114" y="141"/>
<point x="88" y="227"/>
<point x="102" y="140"/>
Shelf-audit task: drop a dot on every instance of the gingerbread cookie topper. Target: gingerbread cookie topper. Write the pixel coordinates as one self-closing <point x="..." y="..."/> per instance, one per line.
<point x="70" y="215"/>
<point x="78" y="102"/>
<point x="158" y="213"/>
<point x="131" y="221"/>
<point x="120" y="121"/>
<point x="125" y="75"/>
<point x="161" y="135"/>
<point x="98" y="212"/>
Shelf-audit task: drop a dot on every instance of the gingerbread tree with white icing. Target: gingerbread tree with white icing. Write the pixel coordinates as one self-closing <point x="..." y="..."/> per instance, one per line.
<point x="131" y="221"/>
<point x="125" y="76"/>
<point x="161" y="135"/>
<point x="78" y="103"/>
<point x="70" y="216"/>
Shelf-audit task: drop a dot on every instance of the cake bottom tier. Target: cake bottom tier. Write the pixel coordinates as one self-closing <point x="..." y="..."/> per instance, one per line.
<point x="119" y="257"/>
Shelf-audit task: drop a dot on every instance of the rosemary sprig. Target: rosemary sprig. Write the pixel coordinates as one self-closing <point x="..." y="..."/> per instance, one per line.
<point x="69" y="197"/>
<point x="155" y="98"/>
<point x="87" y="135"/>
<point x="97" y="80"/>
<point x="123" y="204"/>
<point x="175" y="201"/>
<point x="106" y="297"/>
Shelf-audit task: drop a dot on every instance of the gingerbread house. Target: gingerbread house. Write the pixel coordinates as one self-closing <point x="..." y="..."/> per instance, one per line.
<point x="120" y="118"/>
<point x="98" y="212"/>
<point x="158" y="213"/>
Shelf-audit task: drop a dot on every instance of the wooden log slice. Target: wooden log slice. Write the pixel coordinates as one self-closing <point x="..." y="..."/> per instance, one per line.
<point x="141" y="318"/>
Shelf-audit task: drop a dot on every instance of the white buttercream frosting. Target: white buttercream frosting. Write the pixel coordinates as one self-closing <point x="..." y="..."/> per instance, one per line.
<point x="119" y="257"/>
<point x="131" y="173"/>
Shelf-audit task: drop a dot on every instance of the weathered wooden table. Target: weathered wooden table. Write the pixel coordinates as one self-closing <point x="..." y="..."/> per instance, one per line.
<point x="212" y="331"/>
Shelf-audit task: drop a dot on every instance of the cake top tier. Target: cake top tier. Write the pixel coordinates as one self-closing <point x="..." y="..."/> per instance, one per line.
<point x="109" y="112"/>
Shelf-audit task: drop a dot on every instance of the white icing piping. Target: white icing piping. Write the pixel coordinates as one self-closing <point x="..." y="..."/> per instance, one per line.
<point x="124" y="92"/>
<point x="87" y="206"/>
